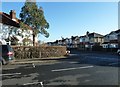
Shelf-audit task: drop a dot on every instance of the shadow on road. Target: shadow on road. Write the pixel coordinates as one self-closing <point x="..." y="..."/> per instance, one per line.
<point x="94" y="58"/>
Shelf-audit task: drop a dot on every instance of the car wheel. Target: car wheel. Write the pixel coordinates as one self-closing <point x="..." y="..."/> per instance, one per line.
<point x="3" y="62"/>
<point x="119" y="53"/>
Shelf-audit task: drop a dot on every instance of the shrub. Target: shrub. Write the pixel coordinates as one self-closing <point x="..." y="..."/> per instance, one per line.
<point x="27" y="52"/>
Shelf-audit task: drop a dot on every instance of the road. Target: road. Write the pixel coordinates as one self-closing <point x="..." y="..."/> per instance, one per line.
<point x="80" y="68"/>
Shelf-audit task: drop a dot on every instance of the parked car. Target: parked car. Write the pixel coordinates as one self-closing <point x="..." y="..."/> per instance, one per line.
<point x="67" y="51"/>
<point x="118" y="51"/>
<point x="6" y="54"/>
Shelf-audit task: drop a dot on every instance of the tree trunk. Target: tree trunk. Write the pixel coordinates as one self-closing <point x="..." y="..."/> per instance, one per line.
<point x="33" y="38"/>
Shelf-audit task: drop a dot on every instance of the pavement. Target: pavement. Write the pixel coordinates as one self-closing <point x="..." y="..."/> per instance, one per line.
<point x="37" y="60"/>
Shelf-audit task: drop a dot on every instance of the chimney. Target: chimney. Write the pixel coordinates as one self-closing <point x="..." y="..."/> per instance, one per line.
<point x="13" y="14"/>
<point x="87" y="33"/>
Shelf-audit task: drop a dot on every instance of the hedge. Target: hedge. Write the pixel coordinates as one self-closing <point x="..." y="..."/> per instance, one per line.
<point x="29" y="52"/>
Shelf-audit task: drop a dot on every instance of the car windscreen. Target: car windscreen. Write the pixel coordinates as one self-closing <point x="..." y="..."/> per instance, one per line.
<point x="5" y="48"/>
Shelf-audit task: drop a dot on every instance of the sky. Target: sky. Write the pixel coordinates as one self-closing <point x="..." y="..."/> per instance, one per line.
<point x="68" y="19"/>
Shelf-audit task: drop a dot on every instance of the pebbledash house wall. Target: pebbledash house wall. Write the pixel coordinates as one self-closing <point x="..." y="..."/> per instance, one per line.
<point x="8" y="21"/>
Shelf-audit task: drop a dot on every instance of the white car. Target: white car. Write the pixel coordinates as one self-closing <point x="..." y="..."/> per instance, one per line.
<point x="118" y="51"/>
<point x="67" y="52"/>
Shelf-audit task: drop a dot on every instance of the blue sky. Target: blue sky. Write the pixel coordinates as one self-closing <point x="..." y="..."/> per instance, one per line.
<point x="68" y="19"/>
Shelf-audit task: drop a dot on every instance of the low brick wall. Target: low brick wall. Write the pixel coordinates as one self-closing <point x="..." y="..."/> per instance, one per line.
<point x="29" y="52"/>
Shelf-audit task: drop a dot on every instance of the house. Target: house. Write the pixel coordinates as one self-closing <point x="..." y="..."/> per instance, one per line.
<point x="55" y="43"/>
<point x="118" y="31"/>
<point x="49" y="43"/>
<point x="95" y="39"/>
<point x="68" y="42"/>
<point x="106" y="42"/>
<point x="75" y="41"/>
<point x="83" y="42"/>
<point x="89" y="40"/>
<point x="60" y="42"/>
<point x="63" y="42"/>
<point x="112" y="39"/>
<point x="119" y="40"/>
<point x="9" y="23"/>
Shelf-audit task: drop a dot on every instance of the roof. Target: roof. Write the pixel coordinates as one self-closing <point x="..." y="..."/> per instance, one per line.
<point x="12" y="39"/>
<point x="82" y="36"/>
<point x="117" y="31"/>
<point x="63" y="40"/>
<point x="94" y="35"/>
<point x="5" y="19"/>
<point x="74" y="37"/>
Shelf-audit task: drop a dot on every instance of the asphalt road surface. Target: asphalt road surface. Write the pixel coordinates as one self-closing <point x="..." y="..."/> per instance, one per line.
<point x="79" y="69"/>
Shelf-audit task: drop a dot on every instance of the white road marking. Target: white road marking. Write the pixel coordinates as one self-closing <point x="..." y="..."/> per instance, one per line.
<point x="41" y="83"/>
<point x="73" y="62"/>
<point x="7" y="68"/>
<point x="112" y="63"/>
<point x="58" y="70"/>
<point x="10" y="74"/>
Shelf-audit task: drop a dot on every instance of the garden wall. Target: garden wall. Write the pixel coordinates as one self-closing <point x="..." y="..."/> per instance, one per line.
<point x="29" y="52"/>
